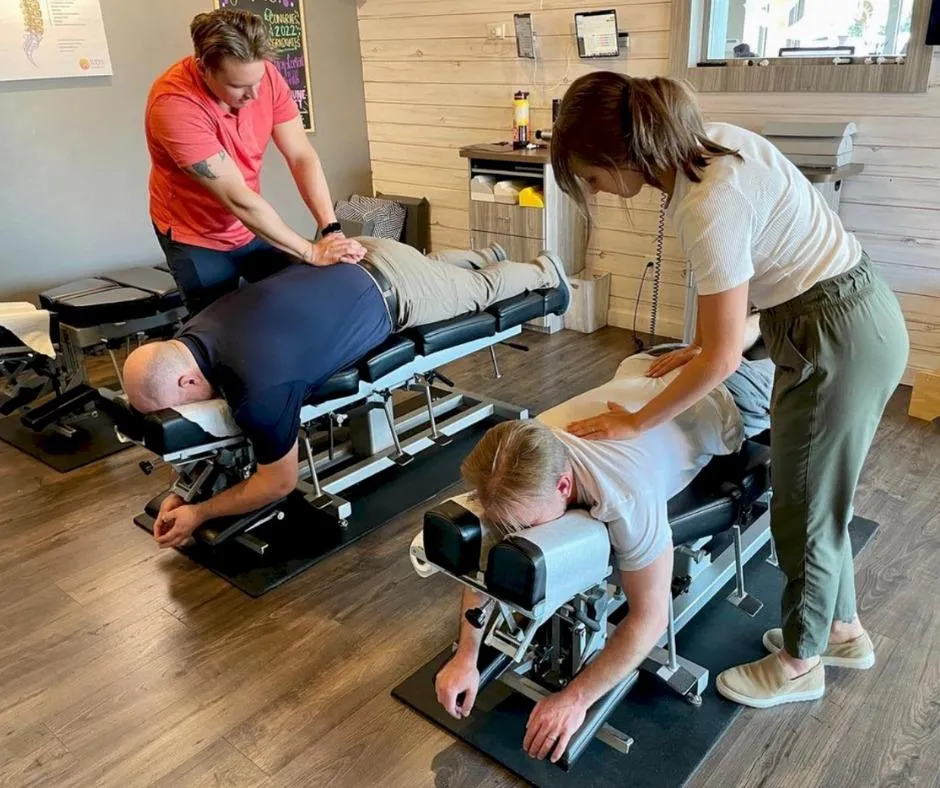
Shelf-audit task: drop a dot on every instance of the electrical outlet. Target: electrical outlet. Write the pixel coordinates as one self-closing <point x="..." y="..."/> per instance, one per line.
<point x="495" y="31"/>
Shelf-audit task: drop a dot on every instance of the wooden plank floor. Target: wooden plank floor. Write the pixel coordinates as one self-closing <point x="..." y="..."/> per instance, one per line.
<point x="123" y="665"/>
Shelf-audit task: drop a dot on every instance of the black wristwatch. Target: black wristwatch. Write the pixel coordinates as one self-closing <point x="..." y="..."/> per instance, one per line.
<point x="332" y="227"/>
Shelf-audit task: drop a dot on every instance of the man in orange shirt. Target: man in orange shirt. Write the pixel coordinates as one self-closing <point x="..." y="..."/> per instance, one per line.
<point x="209" y="119"/>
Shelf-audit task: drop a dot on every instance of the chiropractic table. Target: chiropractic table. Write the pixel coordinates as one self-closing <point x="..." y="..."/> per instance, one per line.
<point x="105" y="312"/>
<point x="554" y="595"/>
<point x="351" y="430"/>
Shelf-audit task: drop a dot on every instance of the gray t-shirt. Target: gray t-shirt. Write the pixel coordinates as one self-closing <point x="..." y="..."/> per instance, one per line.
<point x="628" y="483"/>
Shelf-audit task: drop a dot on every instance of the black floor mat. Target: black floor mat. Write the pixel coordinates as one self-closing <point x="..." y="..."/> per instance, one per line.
<point x="671" y="737"/>
<point x="305" y="536"/>
<point x="94" y="439"/>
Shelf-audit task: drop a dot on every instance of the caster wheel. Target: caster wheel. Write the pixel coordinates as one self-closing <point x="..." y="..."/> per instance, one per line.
<point x="694" y="699"/>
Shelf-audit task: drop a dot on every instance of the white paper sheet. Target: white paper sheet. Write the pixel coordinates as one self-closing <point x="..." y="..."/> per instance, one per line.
<point x="29" y="325"/>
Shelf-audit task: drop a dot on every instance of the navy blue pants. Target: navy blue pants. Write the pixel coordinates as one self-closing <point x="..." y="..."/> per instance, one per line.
<point x="203" y="275"/>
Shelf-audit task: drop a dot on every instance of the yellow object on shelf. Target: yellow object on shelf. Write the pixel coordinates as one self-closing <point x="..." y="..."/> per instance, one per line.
<point x="532" y="197"/>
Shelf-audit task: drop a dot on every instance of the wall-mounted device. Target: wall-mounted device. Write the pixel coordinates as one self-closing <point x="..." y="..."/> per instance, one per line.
<point x="525" y="38"/>
<point x="597" y="34"/>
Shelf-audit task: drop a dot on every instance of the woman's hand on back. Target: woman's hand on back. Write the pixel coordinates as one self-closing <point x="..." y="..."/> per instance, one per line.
<point x="672" y="360"/>
<point x="616" y="424"/>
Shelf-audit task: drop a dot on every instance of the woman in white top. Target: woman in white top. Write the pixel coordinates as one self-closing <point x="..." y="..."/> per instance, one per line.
<point x="756" y="232"/>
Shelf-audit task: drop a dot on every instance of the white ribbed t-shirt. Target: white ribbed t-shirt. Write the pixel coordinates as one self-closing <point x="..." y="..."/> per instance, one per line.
<point x="628" y="482"/>
<point x="760" y="220"/>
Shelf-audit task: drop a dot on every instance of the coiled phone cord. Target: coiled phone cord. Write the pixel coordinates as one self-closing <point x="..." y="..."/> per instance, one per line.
<point x="657" y="266"/>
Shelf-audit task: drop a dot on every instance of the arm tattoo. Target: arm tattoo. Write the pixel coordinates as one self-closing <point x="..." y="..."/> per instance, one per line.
<point x="201" y="168"/>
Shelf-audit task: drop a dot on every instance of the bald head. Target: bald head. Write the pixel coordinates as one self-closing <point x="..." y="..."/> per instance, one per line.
<point x="163" y="375"/>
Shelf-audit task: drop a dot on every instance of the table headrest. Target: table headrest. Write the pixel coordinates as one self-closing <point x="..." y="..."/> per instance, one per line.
<point x="550" y="563"/>
<point x="214" y="416"/>
<point x="455" y="536"/>
<point x="171" y="430"/>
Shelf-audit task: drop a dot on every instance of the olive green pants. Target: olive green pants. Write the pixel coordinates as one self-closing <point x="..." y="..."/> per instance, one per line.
<point x="840" y="350"/>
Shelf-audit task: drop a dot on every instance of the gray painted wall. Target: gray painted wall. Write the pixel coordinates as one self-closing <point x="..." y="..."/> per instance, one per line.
<point x="73" y="188"/>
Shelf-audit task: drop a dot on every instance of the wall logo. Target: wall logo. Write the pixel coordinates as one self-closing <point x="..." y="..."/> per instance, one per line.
<point x="86" y="64"/>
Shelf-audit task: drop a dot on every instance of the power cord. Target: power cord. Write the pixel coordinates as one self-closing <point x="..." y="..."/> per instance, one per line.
<point x="637" y="342"/>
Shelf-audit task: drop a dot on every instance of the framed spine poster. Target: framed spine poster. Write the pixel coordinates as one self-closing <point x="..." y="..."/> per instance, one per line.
<point x="288" y="32"/>
<point x="45" y="39"/>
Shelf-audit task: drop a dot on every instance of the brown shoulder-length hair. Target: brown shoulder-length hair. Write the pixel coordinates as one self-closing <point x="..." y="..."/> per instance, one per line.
<point x="615" y="122"/>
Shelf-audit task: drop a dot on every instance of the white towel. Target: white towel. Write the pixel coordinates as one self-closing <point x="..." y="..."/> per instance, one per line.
<point x="29" y="325"/>
<point x="214" y="416"/>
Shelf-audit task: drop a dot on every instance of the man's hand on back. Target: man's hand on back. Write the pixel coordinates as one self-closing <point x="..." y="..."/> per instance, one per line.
<point x="335" y="248"/>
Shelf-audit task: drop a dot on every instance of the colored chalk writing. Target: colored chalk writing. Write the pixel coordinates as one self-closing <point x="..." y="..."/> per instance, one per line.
<point x="285" y="23"/>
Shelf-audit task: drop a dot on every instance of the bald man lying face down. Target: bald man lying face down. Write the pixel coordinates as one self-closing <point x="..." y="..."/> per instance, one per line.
<point x="267" y="347"/>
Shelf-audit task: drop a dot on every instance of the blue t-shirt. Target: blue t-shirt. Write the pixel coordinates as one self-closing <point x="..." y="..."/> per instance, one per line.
<point x="269" y="345"/>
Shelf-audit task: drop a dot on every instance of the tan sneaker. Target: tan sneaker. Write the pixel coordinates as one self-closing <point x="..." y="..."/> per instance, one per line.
<point x="858" y="653"/>
<point x="764" y="683"/>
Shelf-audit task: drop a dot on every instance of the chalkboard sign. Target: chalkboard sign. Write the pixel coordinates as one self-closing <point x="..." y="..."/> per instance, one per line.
<point x="288" y="32"/>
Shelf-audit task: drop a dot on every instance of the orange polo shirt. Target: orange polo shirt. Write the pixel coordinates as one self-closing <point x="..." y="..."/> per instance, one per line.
<point x="185" y="124"/>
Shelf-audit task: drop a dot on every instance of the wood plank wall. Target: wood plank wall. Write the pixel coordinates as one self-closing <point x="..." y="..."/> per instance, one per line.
<point x="433" y="82"/>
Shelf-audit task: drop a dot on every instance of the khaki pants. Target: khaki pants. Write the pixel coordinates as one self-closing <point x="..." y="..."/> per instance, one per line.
<point x="440" y="287"/>
<point x="840" y="350"/>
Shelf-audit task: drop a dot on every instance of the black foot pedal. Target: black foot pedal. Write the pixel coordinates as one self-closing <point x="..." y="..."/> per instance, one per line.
<point x="336" y="507"/>
<point x="68" y="404"/>
<point x="403" y="459"/>
<point x="23" y="397"/>
<point x="253" y="543"/>
<point x="685" y="678"/>
<point x="740" y="598"/>
<point x="746" y="603"/>
<point x="320" y="501"/>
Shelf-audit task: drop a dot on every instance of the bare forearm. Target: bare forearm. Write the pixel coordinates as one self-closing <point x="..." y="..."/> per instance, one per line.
<point x="696" y="379"/>
<point x="468" y="645"/>
<point x="246" y="496"/>
<point x="311" y="183"/>
<point x="624" y="652"/>
<point x="257" y="215"/>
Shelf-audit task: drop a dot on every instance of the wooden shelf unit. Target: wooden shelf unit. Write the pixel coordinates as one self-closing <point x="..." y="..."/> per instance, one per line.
<point x="525" y="232"/>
